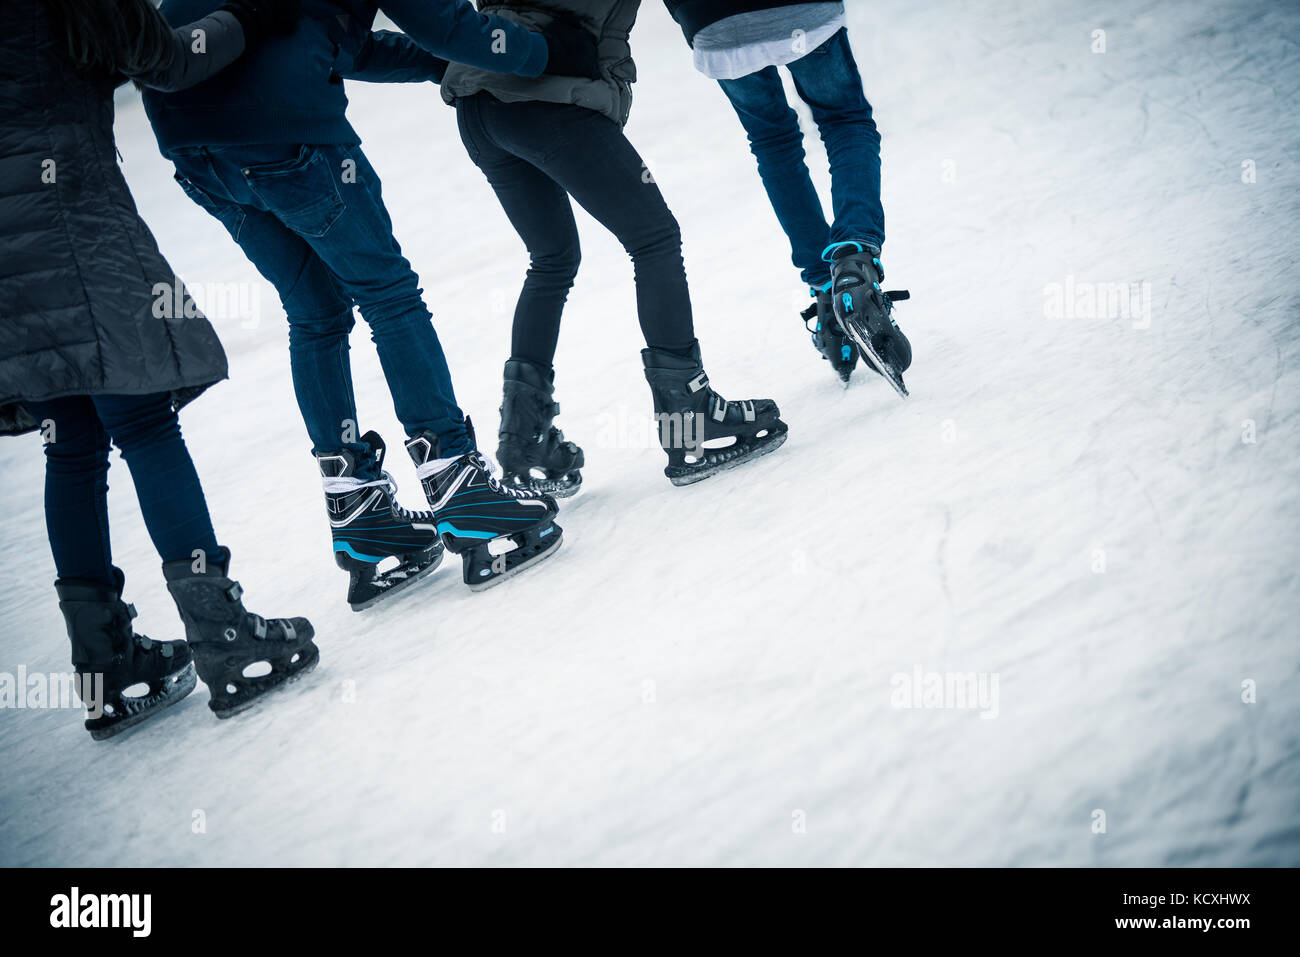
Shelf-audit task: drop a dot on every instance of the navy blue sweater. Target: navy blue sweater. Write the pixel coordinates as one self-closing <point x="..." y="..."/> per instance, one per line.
<point x="290" y="89"/>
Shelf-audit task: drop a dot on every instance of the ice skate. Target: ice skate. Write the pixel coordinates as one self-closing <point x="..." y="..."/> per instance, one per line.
<point x="370" y="528"/>
<point x="865" y="310"/>
<point x="124" y="679"/>
<point x="702" y="432"/>
<point x="531" y="451"/>
<point x="497" y="530"/>
<point x="828" y="337"/>
<point x="240" y="656"/>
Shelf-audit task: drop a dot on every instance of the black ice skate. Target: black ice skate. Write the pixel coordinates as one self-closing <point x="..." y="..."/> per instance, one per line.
<point x="475" y="512"/>
<point x="240" y="656"/>
<point x="369" y="527"/>
<point x="828" y="338"/>
<point x="701" y="431"/>
<point x="531" y="451"/>
<point x="865" y="311"/>
<point x="122" y="678"/>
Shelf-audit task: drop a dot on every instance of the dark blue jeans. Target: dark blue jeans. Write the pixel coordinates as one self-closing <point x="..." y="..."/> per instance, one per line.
<point x="827" y="79"/>
<point x="78" y="430"/>
<point x="536" y="155"/>
<point x="313" y="221"/>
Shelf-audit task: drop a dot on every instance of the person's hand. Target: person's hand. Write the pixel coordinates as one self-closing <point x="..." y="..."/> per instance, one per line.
<point x="572" y="49"/>
<point x="264" y="18"/>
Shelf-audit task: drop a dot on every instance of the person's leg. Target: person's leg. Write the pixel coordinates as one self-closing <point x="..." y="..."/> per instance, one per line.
<point x="587" y="154"/>
<point x="148" y="433"/>
<point x="319" y="313"/>
<point x="777" y="143"/>
<point x="829" y="82"/>
<point x="330" y="197"/>
<point x="76" y="488"/>
<point x="541" y="214"/>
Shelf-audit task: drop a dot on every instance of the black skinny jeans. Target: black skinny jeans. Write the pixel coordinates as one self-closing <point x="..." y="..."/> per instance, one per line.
<point x="536" y="155"/>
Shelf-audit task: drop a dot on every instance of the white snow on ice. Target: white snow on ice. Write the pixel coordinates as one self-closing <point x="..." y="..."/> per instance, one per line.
<point x="701" y="669"/>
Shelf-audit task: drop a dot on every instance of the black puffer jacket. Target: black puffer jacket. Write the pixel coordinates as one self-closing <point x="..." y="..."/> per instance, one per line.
<point x="79" y="270"/>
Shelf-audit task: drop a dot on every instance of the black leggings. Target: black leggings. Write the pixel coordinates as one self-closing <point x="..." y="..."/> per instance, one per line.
<point x="536" y="155"/>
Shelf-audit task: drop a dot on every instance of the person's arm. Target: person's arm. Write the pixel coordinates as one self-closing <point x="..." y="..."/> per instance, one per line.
<point x="389" y="57"/>
<point x="191" y="62"/>
<point x="455" y="30"/>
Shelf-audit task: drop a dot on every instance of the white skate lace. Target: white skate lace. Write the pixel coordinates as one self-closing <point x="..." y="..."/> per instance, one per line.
<point x="343" y="484"/>
<point x="492" y="470"/>
<point x="411" y="516"/>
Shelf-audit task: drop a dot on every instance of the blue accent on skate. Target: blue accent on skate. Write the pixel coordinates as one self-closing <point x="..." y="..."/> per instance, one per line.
<point x="846" y="353"/>
<point x="445" y="527"/>
<point x="829" y="252"/>
<point x="345" y="547"/>
<point x="547" y="532"/>
<point x="848" y="302"/>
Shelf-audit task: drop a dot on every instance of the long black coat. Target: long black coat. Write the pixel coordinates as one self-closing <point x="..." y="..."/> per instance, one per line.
<point x="80" y="272"/>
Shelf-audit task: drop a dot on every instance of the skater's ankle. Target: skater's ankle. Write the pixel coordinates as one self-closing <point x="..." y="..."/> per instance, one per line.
<point x="434" y="466"/>
<point x="688" y="351"/>
<point x="850" y="247"/>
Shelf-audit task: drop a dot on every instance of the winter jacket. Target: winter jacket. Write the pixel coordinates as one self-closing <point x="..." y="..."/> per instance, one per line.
<point x="87" y="303"/>
<point x="695" y="15"/>
<point x="610" y="20"/>
<point x="290" y="89"/>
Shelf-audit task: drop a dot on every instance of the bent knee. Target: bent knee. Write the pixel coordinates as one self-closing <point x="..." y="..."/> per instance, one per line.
<point x="320" y="327"/>
<point x="559" y="264"/>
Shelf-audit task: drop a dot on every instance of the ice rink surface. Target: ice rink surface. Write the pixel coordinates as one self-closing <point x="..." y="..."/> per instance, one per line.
<point x="1093" y="510"/>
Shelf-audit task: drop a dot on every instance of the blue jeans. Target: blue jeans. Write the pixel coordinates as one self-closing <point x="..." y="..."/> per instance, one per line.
<point x="827" y="79"/>
<point x="171" y="499"/>
<point x="313" y="222"/>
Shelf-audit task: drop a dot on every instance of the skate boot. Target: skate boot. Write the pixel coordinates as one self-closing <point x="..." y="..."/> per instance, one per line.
<point x="701" y="431"/>
<point x="827" y="336"/>
<point x="476" y="513"/>
<point x="369" y="527"/>
<point x="532" y="452"/>
<point x="865" y="310"/>
<point x="229" y="641"/>
<point x="112" y="661"/>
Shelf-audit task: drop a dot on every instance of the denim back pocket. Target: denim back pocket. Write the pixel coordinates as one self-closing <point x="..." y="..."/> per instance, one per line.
<point x="229" y="215"/>
<point x="303" y="193"/>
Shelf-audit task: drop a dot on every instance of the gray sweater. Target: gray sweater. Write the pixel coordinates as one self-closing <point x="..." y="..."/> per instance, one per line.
<point x="610" y="21"/>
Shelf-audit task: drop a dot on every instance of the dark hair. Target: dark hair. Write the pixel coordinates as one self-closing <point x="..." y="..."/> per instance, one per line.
<point x="117" y="36"/>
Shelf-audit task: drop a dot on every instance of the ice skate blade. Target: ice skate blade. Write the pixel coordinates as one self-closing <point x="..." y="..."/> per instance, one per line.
<point x="393" y="590"/>
<point x="690" y="478"/>
<point x="185" y="683"/>
<point x="552" y="488"/>
<point x="283" y="681"/>
<point x="864" y="346"/>
<point x="525" y="566"/>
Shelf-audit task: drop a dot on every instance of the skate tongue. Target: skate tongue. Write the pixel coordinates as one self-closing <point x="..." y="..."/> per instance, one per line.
<point x="376" y="443"/>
